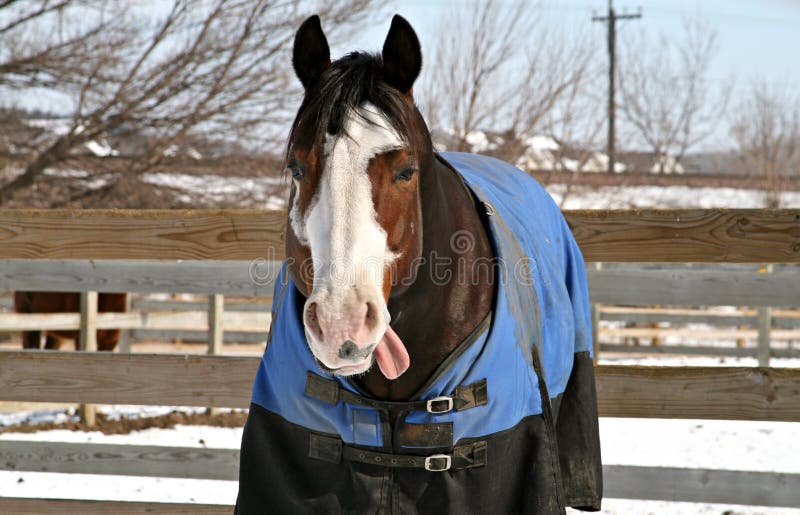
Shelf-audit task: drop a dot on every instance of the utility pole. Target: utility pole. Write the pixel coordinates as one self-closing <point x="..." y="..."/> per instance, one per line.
<point x="611" y="18"/>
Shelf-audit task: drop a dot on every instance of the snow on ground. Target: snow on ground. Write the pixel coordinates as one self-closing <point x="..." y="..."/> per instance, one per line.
<point x="756" y="446"/>
<point x="269" y="192"/>
<point x="663" y="197"/>
<point x="126" y="488"/>
<point x="217" y="188"/>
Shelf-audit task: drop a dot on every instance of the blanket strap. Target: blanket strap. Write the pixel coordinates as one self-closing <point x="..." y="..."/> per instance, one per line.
<point x="332" y="450"/>
<point x="464" y="397"/>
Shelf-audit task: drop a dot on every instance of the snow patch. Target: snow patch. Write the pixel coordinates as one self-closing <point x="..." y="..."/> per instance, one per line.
<point x="100" y="148"/>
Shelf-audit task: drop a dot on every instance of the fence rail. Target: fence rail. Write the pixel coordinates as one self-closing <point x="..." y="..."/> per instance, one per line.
<point x="232" y="252"/>
<point x="23" y="506"/>
<point x="687" y="235"/>
<point x="623" y="391"/>
<point x="179" y="320"/>
<point x="733" y="393"/>
<point x="620" y="481"/>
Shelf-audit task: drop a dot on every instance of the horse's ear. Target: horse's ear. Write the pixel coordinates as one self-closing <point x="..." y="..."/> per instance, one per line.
<point x="311" y="55"/>
<point x="402" y="56"/>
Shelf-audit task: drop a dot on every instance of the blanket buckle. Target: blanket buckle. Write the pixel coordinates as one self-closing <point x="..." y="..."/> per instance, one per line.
<point x="439" y="405"/>
<point x="438" y="462"/>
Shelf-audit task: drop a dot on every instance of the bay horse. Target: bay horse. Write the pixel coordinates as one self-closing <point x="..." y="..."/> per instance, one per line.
<point x="58" y="302"/>
<point x="430" y="347"/>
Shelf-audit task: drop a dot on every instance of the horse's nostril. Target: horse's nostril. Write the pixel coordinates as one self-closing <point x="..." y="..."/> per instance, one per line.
<point x="311" y="321"/>
<point x="311" y="311"/>
<point x="348" y="350"/>
<point x="371" y="319"/>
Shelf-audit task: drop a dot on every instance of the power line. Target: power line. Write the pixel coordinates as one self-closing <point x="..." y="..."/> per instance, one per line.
<point x="611" y="19"/>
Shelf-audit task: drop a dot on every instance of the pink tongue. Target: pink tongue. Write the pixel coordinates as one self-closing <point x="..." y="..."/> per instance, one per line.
<point x="391" y="355"/>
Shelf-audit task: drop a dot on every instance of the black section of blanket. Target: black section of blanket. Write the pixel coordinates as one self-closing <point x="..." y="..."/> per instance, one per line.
<point x="277" y="476"/>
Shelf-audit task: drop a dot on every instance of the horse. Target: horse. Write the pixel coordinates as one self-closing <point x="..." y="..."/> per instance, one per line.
<point x="57" y="302"/>
<point x="430" y="347"/>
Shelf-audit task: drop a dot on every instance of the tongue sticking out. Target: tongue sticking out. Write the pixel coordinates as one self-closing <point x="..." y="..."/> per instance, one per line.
<point x="391" y="355"/>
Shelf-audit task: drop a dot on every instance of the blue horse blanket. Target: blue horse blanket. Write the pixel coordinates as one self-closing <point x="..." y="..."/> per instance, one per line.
<point x="509" y="426"/>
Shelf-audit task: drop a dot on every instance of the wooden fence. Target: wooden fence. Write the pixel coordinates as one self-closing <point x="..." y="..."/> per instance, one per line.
<point x="628" y="283"/>
<point x="117" y="251"/>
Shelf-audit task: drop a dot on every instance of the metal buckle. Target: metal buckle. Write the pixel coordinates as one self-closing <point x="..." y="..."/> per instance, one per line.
<point x="432" y="468"/>
<point x="440" y="399"/>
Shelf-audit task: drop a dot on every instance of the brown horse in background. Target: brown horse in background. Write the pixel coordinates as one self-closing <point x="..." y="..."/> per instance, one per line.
<point x="57" y="302"/>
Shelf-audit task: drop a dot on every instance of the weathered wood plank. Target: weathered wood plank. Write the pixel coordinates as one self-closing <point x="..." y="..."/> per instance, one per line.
<point x="693" y="288"/>
<point x="688" y="235"/>
<point x="41" y="321"/>
<point x="764" y="329"/>
<point x="124" y="344"/>
<point x="661" y="332"/>
<point x="141" y="234"/>
<point x="26" y="506"/>
<point x="695" y="350"/>
<point x="197" y="336"/>
<point x="701" y="485"/>
<point x="695" y="235"/>
<point x="121" y="460"/>
<point x="105" y="378"/>
<point x="697" y="318"/>
<point x="177" y="305"/>
<point x="87" y="342"/>
<point x="704" y="334"/>
<point x="734" y="393"/>
<point x="620" y="481"/>
<point x="242" y="321"/>
<point x="216" y="307"/>
<point x="607" y="310"/>
<point x="683" y="350"/>
<point x="87" y="339"/>
<point x="610" y="285"/>
<point x="255" y="278"/>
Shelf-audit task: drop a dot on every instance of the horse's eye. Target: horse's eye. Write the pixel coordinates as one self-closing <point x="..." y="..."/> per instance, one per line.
<point x="404" y="174"/>
<point x="297" y="170"/>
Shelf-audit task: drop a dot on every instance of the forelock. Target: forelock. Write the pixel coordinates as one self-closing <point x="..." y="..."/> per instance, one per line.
<point x="348" y="84"/>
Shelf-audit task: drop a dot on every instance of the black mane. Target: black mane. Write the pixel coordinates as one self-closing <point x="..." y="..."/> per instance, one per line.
<point x="347" y="84"/>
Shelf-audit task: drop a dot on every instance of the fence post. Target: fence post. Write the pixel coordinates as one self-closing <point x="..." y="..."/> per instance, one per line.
<point x="595" y="313"/>
<point x="125" y="334"/>
<point x="216" y="309"/>
<point x="764" y="327"/>
<point x="87" y="341"/>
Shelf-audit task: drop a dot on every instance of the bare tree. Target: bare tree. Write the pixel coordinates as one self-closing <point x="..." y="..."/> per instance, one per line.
<point x="161" y="70"/>
<point x="499" y="67"/>
<point x="576" y="122"/>
<point x="665" y="96"/>
<point x="765" y="127"/>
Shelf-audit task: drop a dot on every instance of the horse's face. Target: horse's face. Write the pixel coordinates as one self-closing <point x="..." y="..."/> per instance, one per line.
<point x="355" y="205"/>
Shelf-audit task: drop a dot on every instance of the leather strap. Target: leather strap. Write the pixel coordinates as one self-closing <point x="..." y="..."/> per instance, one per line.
<point x="465" y="456"/>
<point x="464" y="397"/>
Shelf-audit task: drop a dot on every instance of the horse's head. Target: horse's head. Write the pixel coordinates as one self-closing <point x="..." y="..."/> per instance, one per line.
<point x="354" y="155"/>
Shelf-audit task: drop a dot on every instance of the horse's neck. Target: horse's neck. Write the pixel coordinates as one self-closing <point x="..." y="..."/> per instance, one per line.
<point x="443" y="306"/>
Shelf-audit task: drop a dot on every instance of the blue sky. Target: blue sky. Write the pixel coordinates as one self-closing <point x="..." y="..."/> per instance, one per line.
<point x="756" y="39"/>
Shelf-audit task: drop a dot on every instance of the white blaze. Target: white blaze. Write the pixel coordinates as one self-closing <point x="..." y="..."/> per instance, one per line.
<point x="347" y="243"/>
